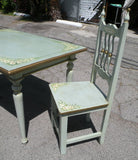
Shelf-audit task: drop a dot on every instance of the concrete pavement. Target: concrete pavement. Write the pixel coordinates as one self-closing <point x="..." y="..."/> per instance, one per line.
<point x="121" y="142"/>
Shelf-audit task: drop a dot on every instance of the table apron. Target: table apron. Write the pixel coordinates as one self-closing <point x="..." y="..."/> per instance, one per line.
<point x="23" y="73"/>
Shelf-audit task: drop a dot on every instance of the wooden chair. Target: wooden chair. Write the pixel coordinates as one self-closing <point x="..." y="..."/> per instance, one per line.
<point x="77" y="98"/>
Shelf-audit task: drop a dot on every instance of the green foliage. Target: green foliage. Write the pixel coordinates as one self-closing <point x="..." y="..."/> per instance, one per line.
<point x="7" y="5"/>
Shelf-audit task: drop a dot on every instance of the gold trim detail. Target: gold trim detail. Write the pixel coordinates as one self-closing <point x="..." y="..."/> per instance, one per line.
<point x="55" y="86"/>
<point x="103" y="50"/>
<point x="39" y="63"/>
<point x="110" y="54"/>
<point x="16" y="61"/>
<point x="106" y="52"/>
<point x="67" y="107"/>
<point x="129" y="9"/>
<point x="69" y="46"/>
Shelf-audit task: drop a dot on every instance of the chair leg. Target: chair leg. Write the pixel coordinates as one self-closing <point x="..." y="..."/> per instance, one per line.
<point x="104" y="124"/>
<point x="63" y="133"/>
<point x="52" y="111"/>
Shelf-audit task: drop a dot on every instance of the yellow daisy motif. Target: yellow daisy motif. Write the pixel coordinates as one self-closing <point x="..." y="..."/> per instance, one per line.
<point x="67" y="107"/>
<point x="55" y="86"/>
<point x="16" y="61"/>
<point x="69" y="46"/>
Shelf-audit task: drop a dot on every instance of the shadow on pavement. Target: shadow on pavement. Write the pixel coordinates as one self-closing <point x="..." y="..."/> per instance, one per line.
<point x="36" y="95"/>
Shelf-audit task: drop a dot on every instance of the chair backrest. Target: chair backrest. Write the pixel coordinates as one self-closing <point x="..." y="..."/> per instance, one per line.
<point x="109" y="48"/>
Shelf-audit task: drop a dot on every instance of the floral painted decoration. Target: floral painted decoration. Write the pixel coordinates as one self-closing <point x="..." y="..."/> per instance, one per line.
<point x="15" y="61"/>
<point x="55" y="86"/>
<point x="67" y="107"/>
<point x="69" y="46"/>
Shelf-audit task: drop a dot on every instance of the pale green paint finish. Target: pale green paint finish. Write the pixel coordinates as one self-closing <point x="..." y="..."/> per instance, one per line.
<point x="19" y="53"/>
<point x="15" y="61"/>
<point x="84" y="137"/>
<point x="110" y="29"/>
<point x="120" y="33"/>
<point x="18" y="49"/>
<point x="74" y="96"/>
<point x="55" y="86"/>
<point x="101" y="59"/>
<point x="63" y="133"/>
<point x="18" y="101"/>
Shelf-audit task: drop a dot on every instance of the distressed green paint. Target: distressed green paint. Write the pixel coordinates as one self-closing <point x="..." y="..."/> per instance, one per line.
<point x="67" y="107"/>
<point x="18" y="49"/>
<point x="55" y="86"/>
<point x="76" y="98"/>
<point x="69" y="46"/>
<point x="22" y="54"/>
<point x="15" y="61"/>
<point x="70" y="96"/>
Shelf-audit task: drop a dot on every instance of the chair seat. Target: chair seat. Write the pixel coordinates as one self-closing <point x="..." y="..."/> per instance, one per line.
<point x="77" y="96"/>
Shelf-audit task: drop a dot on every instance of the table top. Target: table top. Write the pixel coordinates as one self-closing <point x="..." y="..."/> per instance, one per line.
<point x="19" y="49"/>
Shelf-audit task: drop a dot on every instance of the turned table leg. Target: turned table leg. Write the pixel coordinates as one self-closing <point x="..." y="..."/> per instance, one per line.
<point x="70" y="65"/>
<point x="18" y="101"/>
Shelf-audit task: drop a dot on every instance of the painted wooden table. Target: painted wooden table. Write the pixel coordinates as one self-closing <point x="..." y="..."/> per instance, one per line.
<point x="22" y="54"/>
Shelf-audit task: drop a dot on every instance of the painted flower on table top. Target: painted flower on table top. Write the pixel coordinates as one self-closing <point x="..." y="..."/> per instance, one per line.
<point x="16" y="61"/>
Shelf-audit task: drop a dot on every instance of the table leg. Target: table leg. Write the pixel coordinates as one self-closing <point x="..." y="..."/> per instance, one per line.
<point x="18" y="101"/>
<point x="70" y="65"/>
